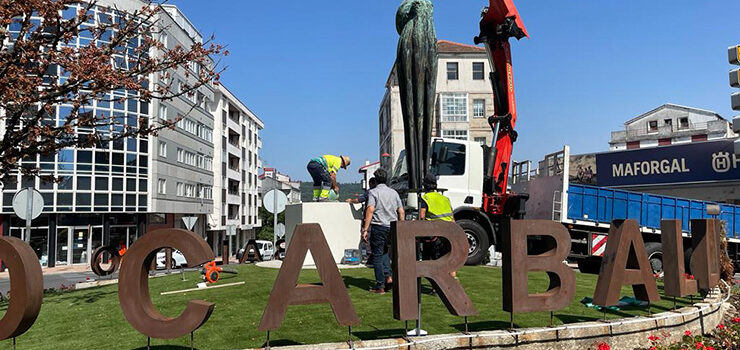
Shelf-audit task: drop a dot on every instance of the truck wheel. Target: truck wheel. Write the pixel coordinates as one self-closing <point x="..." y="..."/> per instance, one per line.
<point x="590" y="265"/>
<point x="477" y="241"/>
<point x="655" y="256"/>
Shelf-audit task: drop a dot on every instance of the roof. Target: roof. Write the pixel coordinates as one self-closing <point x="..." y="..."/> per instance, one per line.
<point x="446" y="46"/>
<point x="364" y="167"/>
<point x="675" y="106"/>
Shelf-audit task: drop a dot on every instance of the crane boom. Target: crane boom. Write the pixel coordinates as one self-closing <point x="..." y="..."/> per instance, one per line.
<point x="500" y="21"/>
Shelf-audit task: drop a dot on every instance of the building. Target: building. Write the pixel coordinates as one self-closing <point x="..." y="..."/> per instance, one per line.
<point x="272" y="179"/>
<point x="234" y="217"/>
<point x="670" y="124"/>
<point x="116" y="191"/>
<point x="464" y="101"/>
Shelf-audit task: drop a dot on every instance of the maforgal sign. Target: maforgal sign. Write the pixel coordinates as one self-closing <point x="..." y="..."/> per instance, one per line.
<point x="691" y="162"/>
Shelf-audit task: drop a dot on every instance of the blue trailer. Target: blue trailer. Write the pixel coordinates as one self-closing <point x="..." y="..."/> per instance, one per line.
<point x="588" y="210"/>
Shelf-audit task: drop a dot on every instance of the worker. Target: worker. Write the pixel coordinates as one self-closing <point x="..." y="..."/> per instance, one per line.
<point x="433" y="205"/>
<point x="383" y="207"/>
<point x="323" y="171"/>
<point x="363" y="199"/>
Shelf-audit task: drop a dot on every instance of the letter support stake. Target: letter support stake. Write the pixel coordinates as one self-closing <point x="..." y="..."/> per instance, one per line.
<point x="148" y="343"/>
<point x="349" y="338"/>
<point x="13" y="343"/>
<point x="267" y="344"/>
<point x="191" y="341"/>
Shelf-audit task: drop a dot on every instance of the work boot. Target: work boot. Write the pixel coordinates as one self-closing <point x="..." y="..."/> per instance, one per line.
<point x="375" y="290"/>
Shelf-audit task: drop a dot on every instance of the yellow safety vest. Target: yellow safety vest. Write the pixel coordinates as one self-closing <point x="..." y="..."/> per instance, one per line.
<point x="438" y="206"/>
<point x="333" y="163"/>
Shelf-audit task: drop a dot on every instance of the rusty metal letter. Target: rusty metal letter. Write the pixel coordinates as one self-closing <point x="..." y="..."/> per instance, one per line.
<point x="97" y="257"/>
<point x="562" y="279"/>
<point x="674" y="280"/>
<point x="27" y="284"/>
<point x="625" y="262"/>
<point x="286" y="291"/>
<point x="705" y="258"/>
<point x="133" y="285"/>
<point x="406" y="269"/>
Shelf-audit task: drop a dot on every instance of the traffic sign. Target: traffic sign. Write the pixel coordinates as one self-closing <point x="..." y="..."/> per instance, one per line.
<point x="231" y="230"/>
<point x="280" y="230"/>
<point x="189" y="221"/>
<point x="28" y="203"/>
<point x="275" y="201"/>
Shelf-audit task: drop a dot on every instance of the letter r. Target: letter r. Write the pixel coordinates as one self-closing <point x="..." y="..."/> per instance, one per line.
<point x="406" y="269"/>
<point x="562" y="279"/>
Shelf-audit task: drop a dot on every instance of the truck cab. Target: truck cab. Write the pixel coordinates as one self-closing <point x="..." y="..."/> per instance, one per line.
<point x="460" y="167"/>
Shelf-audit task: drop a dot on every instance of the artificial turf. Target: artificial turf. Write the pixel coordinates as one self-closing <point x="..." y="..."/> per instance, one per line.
<point x="92" y="318"/>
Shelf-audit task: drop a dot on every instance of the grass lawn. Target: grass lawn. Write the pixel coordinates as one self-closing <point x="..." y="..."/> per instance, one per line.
<point x="92" y="319"/>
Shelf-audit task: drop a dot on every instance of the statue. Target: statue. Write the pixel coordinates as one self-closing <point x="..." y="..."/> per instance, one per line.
<point x="416" y="67"/>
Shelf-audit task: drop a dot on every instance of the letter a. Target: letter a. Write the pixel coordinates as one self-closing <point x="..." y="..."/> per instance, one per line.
<point x="406" y="269"/>
<point x="287" y="291"/>
<point x="625" y="262"/>
<point x="674" y="280"/>
<point x="562" y="279"/>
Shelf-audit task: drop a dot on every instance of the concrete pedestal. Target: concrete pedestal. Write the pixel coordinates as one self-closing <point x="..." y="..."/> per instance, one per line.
<point x="341" y="223"/>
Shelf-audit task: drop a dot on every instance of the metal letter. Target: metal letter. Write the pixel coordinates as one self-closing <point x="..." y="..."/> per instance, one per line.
<point x="133" y="285"/>
<point x="406" y="269"/>
<point x="286" y="291"/>
<point x="27" y="284"/>
<point x="562" y="279"/>
<point x="705" y="258"/>
<point x="625" y="262"/>
<point x="675" y="282"/>
<point x="115" y="261"/>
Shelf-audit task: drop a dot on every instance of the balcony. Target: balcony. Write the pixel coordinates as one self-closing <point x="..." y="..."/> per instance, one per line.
<point x="669" y="131"/>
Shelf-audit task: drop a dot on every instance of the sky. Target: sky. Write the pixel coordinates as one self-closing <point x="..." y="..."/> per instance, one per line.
<point x="315" y="71"/>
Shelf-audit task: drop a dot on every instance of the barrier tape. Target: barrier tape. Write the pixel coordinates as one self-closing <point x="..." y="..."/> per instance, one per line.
<point x="560" y="328"/>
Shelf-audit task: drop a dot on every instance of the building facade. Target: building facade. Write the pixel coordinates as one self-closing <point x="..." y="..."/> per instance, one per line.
<point x="670" y="124"/>
<point x="234" y="217"/>
<point x="116" y="191"/>
<point x="464" y="101"/>
<point x="272" y="179"/>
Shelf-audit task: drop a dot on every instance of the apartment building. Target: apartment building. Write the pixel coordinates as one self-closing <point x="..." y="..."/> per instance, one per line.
<point x="464" y="101"/>
<point x="272" y="179"/>
<point x="670" y="124"/>
<point x="234" y="217"/>
<point x="116" y="191"/>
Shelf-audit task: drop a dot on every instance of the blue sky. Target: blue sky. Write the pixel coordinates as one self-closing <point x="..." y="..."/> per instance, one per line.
<point x="314" y="71"/>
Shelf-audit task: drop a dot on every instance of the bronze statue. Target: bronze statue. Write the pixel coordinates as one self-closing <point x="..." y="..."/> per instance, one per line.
<point x="416" y="67"/>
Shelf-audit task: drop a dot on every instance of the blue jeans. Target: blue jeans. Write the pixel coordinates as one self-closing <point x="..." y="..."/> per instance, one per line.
<point x="379" y="244"/>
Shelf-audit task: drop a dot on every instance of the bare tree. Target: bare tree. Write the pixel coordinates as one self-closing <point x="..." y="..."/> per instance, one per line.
<point x="42" y="66"/>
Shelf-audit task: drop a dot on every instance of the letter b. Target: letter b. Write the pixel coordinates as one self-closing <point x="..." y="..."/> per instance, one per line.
<point x="562" y="279"/>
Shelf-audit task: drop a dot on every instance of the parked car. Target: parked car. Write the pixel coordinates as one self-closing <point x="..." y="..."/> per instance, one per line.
<point x="267" y="251"/>
<point x="178" y="260"/>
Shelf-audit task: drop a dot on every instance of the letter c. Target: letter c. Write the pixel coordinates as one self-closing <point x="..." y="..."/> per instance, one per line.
<point x="27" y="282"/>
<point x="133" y="285"/>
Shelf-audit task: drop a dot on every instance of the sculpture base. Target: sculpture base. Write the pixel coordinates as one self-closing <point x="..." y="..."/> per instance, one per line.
<point x="341" y="223"/>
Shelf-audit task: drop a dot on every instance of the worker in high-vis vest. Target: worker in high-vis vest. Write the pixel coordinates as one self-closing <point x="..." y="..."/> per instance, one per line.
<point x="434" y="206"/>
<point x="323" y="171"/>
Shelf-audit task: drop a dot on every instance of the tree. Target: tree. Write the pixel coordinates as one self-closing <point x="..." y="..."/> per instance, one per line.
<point x="119" y="54"/>
<point x="267" y="230"/>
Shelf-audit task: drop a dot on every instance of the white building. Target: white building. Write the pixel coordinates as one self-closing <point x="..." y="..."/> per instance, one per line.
<point x="273" y="179"/>
<point x="464" y="101"/>
<point x="670" y="124"/>
<point x="236" y="139"/>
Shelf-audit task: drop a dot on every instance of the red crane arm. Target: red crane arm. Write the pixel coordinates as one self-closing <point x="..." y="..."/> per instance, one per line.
<point x="500" y="22"/>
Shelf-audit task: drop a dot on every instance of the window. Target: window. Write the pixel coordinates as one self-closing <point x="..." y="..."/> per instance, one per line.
<point x="481" y="140"/>
<point x="455" y="134"/>
<point x="454" y="107"/>
<point x="162" y="111"/>
<point x="668" y="121"/>
<point x="652" y="126"/>
<point x="683" y="123"/>
<point x="163" y="38"/>
<point x="180" y="189"/>
<point x="479" y="108"/>
<point x="162" y="149"/>
<point x="478" y="70"/>
<point x="161" y="186"/>
<point x="180" y="155"/>
<point x="452" y="71"/>
<point x="453" y="164"/>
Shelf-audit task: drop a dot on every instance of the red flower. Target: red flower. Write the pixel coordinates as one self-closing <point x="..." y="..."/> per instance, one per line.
<point x="699" y="345"/>
<point x="687" y="333"/>
<point x="654" y="337"/>
<point x="653" y="348"/>
<point x="721" y="326"/>
<point x="736" y="320"/>
<point x="709" y="348"/>
<point x="691" y="277"/>
<point x="603" y="346"/>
